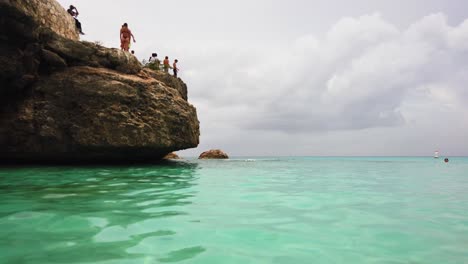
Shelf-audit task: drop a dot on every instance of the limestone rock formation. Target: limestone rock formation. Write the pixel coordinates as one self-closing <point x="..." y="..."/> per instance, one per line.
<point x="43" y="13"/>
<point x="62" y="100"/>
<point x="213" y="154"/>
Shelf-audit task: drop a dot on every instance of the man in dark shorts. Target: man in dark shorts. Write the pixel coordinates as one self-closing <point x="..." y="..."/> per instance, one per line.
<point x="174" y="68"/>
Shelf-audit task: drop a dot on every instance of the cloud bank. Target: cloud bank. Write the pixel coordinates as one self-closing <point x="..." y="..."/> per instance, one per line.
<point x="364" y="81"/>
<point x="364" y="73"/>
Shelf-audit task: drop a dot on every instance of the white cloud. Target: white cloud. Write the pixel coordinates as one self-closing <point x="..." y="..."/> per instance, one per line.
<point x="458" y="37"/>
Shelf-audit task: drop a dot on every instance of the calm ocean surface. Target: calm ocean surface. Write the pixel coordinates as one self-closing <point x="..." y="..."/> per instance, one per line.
<point x="259" y="210"/>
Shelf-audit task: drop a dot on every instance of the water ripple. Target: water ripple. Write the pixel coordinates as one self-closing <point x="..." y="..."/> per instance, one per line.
<point x="247" y="210"/>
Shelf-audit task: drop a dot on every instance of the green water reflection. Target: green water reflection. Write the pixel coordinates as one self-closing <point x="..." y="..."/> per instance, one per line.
<point x="79" y="215"/>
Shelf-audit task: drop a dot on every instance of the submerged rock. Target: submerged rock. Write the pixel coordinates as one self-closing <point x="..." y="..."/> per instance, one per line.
<point x="213" y="154"/>
<point x="63" y="100"/>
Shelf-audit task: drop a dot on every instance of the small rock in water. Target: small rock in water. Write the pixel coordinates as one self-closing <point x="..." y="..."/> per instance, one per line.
<point x="171" y="156"/>
<point x="213" y="154"/>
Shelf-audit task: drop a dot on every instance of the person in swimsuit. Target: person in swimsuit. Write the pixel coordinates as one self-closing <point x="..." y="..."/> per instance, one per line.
<point x="166" y="64"/>
<point x="125" y="37"/>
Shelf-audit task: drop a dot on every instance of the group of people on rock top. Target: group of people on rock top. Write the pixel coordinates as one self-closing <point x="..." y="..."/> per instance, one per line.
<point x="154" y="63"/>
<point x="126" y="37"/>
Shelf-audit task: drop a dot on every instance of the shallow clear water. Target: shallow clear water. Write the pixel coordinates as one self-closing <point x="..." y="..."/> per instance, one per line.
<point x="270" y="210"/>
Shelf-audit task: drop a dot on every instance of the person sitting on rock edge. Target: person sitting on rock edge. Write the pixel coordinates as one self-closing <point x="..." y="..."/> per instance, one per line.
<point x="174" y="67"/>
<point x="154" y="62"/>
<point x="74" y="13"/>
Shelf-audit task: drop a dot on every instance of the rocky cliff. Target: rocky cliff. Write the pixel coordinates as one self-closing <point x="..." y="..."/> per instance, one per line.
<point x="62" y="100"/>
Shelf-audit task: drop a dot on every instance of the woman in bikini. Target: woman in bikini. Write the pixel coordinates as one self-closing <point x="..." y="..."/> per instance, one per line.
<point x="125" y="37"/>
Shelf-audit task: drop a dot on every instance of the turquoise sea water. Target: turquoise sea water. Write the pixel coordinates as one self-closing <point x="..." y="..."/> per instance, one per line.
<point x="259" y="210"/>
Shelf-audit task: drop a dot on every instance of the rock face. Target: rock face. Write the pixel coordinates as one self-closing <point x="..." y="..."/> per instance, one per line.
<point x="213" y="154"/>
<point x="62" y="100"/>
<point x="44" y="13"/>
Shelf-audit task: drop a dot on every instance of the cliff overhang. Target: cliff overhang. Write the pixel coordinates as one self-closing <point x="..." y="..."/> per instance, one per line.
<point x="64" y="100"/>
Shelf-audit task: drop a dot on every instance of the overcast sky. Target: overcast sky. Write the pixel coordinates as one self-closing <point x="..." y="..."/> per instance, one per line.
<point x="308" y="77"/>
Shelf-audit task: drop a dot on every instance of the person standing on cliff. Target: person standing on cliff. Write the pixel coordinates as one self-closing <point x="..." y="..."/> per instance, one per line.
<point x="174" y="67"/>
<point x="74" y="13"/>
<point x="125" y="37"/>
<point x="166" y="64"/>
